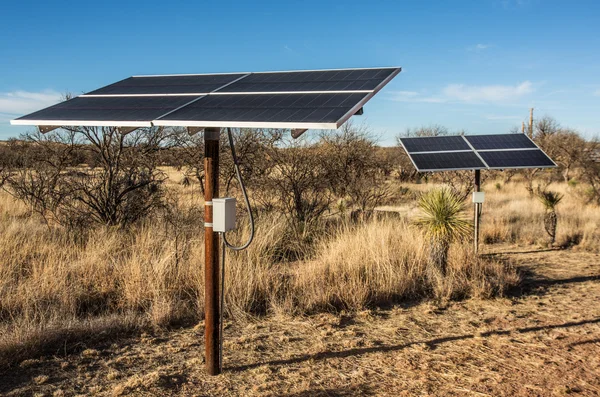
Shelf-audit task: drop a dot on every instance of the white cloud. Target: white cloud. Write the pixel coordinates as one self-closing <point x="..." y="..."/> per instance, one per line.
<point x="18" y="103"/>
<point x="495" y="117"/>
<point x="597" y="93"/>
<point x="461" y="93"/>
<point x="487" y="93"/>
<point x="414" y="96"/>
<point x="479" y="47"/>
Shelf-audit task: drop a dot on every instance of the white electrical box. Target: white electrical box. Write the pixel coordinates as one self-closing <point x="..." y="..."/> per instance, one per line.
<point x="223" y="214"/>
<point x="478" y="197"/>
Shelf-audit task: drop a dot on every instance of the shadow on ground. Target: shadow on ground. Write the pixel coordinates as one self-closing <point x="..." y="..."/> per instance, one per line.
<point x="432" y="343"/>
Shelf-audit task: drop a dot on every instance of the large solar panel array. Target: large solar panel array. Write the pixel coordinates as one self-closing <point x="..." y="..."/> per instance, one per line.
<point x="475" y="152"/>
<point x="297" y="99"/>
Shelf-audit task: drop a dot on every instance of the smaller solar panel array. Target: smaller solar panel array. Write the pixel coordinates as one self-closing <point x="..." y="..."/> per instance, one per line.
<point x="475" y="152"/>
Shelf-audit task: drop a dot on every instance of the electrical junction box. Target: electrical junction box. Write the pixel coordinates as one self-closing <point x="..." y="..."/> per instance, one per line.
<point x="223" y="214"/>
<point x="478" y="197"/>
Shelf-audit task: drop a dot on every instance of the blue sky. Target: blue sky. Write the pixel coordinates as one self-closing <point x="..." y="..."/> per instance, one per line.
<point x="469" y="65"/>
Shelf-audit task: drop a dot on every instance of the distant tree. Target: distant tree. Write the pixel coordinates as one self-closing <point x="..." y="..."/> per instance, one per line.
<point x="545" y="126"/>
<point x="565" y="147"/>
<point x="590" y="169"/>
<point x="430" y="130"/>
<point x="352" y="167"/>
<point x="295" y="180"/>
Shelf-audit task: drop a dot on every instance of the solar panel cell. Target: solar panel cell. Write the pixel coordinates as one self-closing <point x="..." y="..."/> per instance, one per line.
<point x="110" y="109"/>
<point x="167" y="84"/>
<point x="447" y="161"/>
<point x="327" y="80"/>
<point x="504" y="141"/>
<point x="435" y="144"/>
<point x="534" y="158"/>
<point x="303" y="108"/>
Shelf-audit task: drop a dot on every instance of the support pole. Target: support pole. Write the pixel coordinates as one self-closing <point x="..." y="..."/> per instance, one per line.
<point x="212" y="334"/>
<point x="477" y="211"/>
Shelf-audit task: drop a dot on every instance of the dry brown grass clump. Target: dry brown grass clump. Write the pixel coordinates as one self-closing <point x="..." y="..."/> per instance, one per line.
<point x="511" y="215"/>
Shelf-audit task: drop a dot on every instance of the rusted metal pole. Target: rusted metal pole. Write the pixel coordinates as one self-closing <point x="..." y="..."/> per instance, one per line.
<point x="477" y="211"/>
<point x="212" y="334"/>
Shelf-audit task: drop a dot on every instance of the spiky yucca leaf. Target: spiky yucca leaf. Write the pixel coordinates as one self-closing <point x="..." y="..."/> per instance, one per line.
<point x="550" y="199"/>
<point x="442" y="215"/>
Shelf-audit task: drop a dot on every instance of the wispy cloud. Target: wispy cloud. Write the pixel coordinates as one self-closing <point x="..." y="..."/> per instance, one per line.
<point x="462" y="93"/>
<point x="414" y="96"/>
<point x="487" y="93"/>
<point x="596" y="93"/>
<point x="495" y="117"/>
<point x="514" y="4"/>
<point x="479" y="47"/>
<point x="17" y="103"/>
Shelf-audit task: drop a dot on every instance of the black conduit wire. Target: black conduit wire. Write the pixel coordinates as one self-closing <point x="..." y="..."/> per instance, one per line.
<point x="244" y="193"/>
<point x="225" y="244"/>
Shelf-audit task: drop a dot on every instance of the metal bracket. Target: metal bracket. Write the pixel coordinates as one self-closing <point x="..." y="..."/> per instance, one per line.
<point x="126" y="130"/>
<point x="297" y="132"/>
<point x="47" y="128"/>
<point x="194" y="130"/>
<point x="360" y="112"/>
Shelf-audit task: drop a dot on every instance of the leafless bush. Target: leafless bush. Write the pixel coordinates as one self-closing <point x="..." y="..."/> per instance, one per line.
<point x="352" y="168"/>
<point x="119" y="186"/>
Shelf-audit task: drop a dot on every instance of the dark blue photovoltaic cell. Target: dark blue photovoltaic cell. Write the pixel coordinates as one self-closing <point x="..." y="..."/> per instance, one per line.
<point x="442" y="161"/>
<point x="434" y="144"/>
<point x="272" y="108"/>
<point x="325" y="80"/>
<point x="504" y="141"/>
<point x="182" y="84"/>
<point x="110" y="109"/>
<point x="534" y="158"/>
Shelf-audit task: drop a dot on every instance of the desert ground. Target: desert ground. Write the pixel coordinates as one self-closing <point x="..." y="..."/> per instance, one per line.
<point x="542" y="339"/>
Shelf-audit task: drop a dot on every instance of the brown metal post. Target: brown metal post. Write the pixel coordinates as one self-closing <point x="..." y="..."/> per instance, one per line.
<point x="477" y="210"/>
<point x="212" y="334"/>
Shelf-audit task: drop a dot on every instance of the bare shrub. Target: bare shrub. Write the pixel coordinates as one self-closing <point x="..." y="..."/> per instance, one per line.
<point x="119" y="186"/>
<point x="352" y="169"/>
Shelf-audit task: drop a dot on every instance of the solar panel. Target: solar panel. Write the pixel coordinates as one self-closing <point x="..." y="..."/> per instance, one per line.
<point x="222" y="110"/>
<point x="177" y="84"/>
<point x="297" y="99"/>
<point x="328" y="80"/>
<point x="469" y="152"/>
<point x="503" y="141"/>
<point x="121" y="111"/>
<point x="447" y="161"/>
<point x="533" y="158"/>
<point x="435" y="144"/>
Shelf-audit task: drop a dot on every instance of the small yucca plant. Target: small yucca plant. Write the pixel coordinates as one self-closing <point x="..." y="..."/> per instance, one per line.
<point x="444" y="220"/>
<point x="550" y="200"/>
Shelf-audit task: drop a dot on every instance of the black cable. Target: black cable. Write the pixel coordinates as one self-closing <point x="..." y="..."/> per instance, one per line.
<point x="244" y="193"/>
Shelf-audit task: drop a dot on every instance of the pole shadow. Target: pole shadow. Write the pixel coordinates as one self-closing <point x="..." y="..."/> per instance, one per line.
<point x="384" y="349"/>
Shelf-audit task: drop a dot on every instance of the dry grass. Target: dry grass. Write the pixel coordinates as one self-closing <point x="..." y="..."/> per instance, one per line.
<point x="542" y="342"/>
<point x="56" y="288"/>
<point x="512" y="215"/>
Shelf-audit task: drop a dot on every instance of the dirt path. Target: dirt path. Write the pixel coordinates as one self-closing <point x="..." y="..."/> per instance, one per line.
<point x="543" y="341"/>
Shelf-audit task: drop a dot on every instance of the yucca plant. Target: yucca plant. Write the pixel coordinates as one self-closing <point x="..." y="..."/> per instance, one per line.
<point x="444" y="220"/>
<point x="550" y="200"/>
